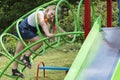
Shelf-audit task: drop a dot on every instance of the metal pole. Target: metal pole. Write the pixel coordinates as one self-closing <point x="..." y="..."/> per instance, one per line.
<point x="119" y="13"/>
<point x="87" y="17"/>
<point x="109" y="13"/>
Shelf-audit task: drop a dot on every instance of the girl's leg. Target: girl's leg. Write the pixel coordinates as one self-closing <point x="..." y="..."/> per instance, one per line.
<point x="34" y="48"/>
<point x="28" y="53"/>
<point x="19" y="47"/>
<point x="15" y="71"/>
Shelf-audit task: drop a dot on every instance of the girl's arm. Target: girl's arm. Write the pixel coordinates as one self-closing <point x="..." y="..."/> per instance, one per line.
<point x="52" y="22"/>
<point x="44" y="25"/>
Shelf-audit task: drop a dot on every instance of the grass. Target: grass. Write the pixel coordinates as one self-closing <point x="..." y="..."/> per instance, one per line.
<point x="61" y="56"/>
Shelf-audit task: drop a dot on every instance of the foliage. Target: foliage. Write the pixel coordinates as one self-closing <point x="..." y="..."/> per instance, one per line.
<point x="101" y="9"/>
<point x="67" y="21"/>
<point x="10" y="44"/>
<point x="11" y="10"/>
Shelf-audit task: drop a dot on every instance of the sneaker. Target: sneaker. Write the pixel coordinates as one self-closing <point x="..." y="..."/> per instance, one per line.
<point x="26" y="61"/>
<point x="15" y="72"/>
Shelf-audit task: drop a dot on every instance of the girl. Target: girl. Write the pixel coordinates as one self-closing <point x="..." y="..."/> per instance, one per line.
<point x="28" y="32"/>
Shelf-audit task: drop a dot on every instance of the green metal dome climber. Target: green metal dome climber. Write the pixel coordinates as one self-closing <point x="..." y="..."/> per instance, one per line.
<point x="43" y="39"/>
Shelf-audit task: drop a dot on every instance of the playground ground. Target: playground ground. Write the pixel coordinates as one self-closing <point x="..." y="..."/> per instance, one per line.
<point x="61" y="56"/>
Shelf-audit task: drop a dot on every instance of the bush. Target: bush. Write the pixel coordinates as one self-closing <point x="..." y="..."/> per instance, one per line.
<point x="10" y="44"/>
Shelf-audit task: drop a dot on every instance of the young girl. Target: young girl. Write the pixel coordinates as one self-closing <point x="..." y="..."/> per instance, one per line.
<point x="28" y="32"/>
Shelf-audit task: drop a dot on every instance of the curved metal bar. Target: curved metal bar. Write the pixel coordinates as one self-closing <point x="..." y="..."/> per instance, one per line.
<point x="58" y="24"/>
<point x="43" y="39"/>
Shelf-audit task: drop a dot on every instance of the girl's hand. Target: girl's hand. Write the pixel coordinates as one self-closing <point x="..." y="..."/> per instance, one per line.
<point x="70" y="36"/>
<point x="50" y="35"/>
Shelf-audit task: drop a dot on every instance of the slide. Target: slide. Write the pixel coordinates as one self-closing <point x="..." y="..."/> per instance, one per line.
<point x="98" y="58"/>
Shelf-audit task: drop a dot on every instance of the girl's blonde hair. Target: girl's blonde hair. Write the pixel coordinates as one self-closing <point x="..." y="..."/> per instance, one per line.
<point x="53" y="7"/>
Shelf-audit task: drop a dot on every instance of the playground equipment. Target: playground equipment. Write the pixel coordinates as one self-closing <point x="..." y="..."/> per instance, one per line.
<point x="119" y="12"/>
<point x="46" y="44"/>
<point x="66" y="69"/>
<point x="98" y="58"/>
<point x="88" y="55"/>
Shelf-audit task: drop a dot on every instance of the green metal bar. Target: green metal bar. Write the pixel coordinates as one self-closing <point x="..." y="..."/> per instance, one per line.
<point x="78" y="15"/>
<point x="58" y="24"/>
<point x="9" y="75"/>
<point x="93" y="12"/>
<point x="29" y="46"/>
<point x="1" y="53"/>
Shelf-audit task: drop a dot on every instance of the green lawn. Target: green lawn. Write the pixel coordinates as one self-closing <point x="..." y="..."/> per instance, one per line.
<point x="61" y="56"/>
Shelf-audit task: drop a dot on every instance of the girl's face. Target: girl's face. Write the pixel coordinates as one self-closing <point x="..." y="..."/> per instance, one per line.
<point x="51" y="14"/>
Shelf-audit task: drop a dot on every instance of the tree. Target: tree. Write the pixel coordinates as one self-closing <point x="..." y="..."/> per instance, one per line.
<point x="11" y="10"/>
